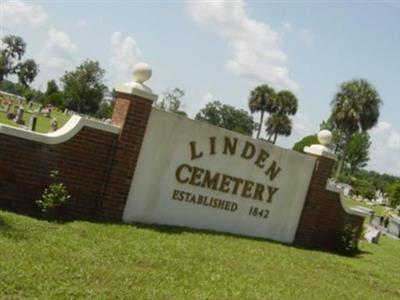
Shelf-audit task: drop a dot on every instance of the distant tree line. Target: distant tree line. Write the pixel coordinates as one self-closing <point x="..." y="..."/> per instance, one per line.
<point x="82" y="90"/>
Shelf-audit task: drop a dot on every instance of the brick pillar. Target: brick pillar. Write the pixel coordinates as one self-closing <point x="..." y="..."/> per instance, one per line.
<point x="324" y="218"/>
<point x="307" y="229"/>
<point x="131" y="113"/>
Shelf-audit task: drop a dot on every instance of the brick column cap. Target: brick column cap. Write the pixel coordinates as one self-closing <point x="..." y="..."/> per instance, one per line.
<point x="141" y="73"/>
<point x="320" y="150"/>
<point x="132" y="88"/>
<point x="325" y="139"/>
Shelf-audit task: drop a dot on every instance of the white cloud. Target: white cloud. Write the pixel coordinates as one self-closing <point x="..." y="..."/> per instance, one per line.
<point x="256" y="50"/>
<point x="385" y="149"/>
<point x="58" y="51"/>
<point x="193" y="107"/>
<point x="303" y="126"/>
<point x="125" y="53"/>
<point x="18" y="13"/>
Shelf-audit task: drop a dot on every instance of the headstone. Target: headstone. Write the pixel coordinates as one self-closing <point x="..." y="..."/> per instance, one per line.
<point x="32" y="123"/>
<point x="54" y="124"/>
<point x="394" y="226"/>
<point x="66" y="112"/>
<point x="7" y="107"/>
<point x="19" y="118"/>
<point x="376" y="220"/>
<point x="372" y="235"/>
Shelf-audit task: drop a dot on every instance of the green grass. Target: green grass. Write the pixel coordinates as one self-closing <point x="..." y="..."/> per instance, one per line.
<point x="43" y="123"/>
<point x="76" y="260"/>
<point x="378" y="209"/>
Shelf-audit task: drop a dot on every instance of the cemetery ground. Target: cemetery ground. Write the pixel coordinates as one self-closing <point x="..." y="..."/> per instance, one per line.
<point x="378" y="209"/>
<point x="81" y="259"/>
<point x="43" y="123"/>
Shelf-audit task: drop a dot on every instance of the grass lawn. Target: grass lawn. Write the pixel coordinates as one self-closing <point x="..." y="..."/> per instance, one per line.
<point x="42" y="260"/>
<point x="378" y="209"/>
<point x="43" y="123"/>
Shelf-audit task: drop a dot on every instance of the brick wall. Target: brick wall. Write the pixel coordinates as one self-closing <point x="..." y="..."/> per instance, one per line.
<point x="323" y="219"/>
<point x="83" y="163"/>
<point x="96" y="166"/>
<point x="132" y="114"/>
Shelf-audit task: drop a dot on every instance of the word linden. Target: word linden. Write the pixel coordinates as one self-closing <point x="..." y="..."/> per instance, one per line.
<point x="187" y="174"/>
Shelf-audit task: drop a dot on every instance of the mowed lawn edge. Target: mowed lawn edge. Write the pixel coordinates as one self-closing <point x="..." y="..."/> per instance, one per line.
<point x="76" y="260"/>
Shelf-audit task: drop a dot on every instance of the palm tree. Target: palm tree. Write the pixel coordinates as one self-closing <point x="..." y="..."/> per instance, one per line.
<point x="262" y="99"/>
<point x="278" y="124"/>
<point x="285" y="104"/>
<point x="355" y="108"/>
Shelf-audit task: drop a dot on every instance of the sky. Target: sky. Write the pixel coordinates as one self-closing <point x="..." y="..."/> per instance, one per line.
<point x="221" y="50"/>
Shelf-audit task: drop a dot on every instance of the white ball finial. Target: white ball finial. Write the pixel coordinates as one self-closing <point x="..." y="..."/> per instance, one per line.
<point x="142" y="72"/>
<point x="325" y="137"/>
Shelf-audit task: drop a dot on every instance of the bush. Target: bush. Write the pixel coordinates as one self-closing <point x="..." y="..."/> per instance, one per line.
<point x="349" y="240"/>
<point x="54" y="195"/>
<point x="306" y="141"/>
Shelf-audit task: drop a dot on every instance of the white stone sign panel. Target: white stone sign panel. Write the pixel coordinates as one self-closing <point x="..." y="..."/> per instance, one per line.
<point x="196" y="175"/>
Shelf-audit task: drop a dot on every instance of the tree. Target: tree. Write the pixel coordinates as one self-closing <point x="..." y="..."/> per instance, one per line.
<point x="27" y="71"/>
<point x="358" y="148"/>
<point x="84" y="88"/>
<point x="358" y="151"/>
<point x="363" y="188"/>
<point x="29" y="94"/>
<point x="13" y="48"/>
<point x="227" y="116"/>
<point x="53" y="95"/>
<point x="278" y="123"/>
<point x="261" y="99"/>
<point x="355" y="108"/>
<point x="105" y="110"/>
<point x="11" y="52"/>
<point x="11" y="87"/>
<point x="172" y="101"/>
<point x="52" y="88"/>
<point x="306" y="141"/>
<point x="394" y="194"/>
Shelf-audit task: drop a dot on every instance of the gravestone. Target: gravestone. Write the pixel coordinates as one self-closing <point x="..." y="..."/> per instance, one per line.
<point x="394" y="226"/>
<point x="372" y="235"/>
<point x="54" y="124"/>
<point x="376" y="220"/>
<point x="32" y="123"/>
<point x="19" y="118"/>
<point x="7" y="108"/>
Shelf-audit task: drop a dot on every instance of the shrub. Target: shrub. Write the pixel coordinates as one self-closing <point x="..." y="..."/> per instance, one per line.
<point x="306" y="141"/>
<point x="54" y="195"/>
<point x="349" y="240"/>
